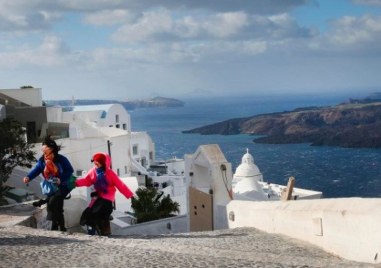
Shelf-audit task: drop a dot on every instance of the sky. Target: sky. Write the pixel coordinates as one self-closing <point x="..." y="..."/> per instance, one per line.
<point x="134" y="49"/>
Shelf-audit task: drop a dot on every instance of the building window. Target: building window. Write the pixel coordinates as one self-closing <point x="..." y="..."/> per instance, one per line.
<point x="135" y="149"/>
<point x="117" y="126"/>
<point x="117" y="118"/>
<point x="151" y="156"/>
<point x="125" y="170"/>
<point x="110" y="125"/>
<point x="143" y="162"/>
<point x="31" y="132"/>
<point x="118" y="172"/>
<point x="124" y="126"/>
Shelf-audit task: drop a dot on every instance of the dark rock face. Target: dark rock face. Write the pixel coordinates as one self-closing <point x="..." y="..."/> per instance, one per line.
<point x="344" y="125"/>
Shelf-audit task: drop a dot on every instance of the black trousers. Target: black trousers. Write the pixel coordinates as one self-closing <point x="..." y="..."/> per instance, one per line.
<point x="55" y="210"/>
<point x="98" y="215"/>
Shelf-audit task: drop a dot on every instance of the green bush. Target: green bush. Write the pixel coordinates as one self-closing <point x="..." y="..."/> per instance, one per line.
<point x="14" y="151"/>
<point x="150" y="204"/>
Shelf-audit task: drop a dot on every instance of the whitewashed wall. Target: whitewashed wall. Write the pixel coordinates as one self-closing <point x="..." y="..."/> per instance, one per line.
<point x="178" y="224"/>
<point x="30" y="96"/>
<point x="347" y="227"/>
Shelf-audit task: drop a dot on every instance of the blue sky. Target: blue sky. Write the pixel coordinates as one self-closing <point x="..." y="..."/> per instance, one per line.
<point x="319" y="13"/>
<point x="89" y="49"/>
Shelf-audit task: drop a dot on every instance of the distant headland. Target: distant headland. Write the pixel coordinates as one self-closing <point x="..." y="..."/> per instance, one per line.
<point x="353" y="124"/>
<point x="128" y="104"/>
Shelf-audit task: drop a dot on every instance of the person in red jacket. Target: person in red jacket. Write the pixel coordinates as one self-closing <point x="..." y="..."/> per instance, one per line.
<point x="105" y="182"/>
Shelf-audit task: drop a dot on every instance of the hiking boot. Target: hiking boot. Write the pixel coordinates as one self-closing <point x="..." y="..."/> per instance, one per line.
<point x="90" y="230"/>
<point x="105" y="228"/>
<point x="61" y="224"/>
<point x="39" y="203"/>
<point x="54" y="226"/>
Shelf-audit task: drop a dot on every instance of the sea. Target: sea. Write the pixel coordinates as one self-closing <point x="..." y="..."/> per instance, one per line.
<point x="337" y="172"/>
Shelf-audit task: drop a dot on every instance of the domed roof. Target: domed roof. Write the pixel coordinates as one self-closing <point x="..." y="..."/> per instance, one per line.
<point x="248" y="168"/>
<point x="249" y="189"/>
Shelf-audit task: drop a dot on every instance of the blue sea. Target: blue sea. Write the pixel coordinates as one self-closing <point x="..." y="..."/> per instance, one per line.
<point x="337" y="172"/>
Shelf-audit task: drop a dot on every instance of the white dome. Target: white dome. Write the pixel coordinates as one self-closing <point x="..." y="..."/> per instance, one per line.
<point x="247" y="168"/>
<point x="249" y="189"/>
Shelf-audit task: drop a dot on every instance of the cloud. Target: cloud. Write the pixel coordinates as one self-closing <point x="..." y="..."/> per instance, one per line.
<point x="210" y="45"/>
<point x="351" y="36"/>
<point x="150" y="24"/>
<point x="30" y="21"/>
<point x="29" y="15"/>
<point x="163" y="26"/>
<point x="108" y="17"/>
<point x="51" y="53"/>
<point x="252" y="6"/>
<point x="160" y="26"/>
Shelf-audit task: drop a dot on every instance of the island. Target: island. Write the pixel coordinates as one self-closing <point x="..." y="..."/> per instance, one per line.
<point x="128" y="104"/>
<point x="355" y="124"/>
<point x="156" y="102"/>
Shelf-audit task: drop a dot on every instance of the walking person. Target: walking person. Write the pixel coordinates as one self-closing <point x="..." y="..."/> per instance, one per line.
<point x="57" y="184"/>
<point x="105" y="181"/>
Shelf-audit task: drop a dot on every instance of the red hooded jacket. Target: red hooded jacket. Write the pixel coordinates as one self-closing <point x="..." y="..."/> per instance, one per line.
<point x="113" y="181"/>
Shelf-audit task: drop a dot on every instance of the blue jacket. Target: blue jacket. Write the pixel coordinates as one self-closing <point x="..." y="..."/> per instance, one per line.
<point x="65" y="171"/>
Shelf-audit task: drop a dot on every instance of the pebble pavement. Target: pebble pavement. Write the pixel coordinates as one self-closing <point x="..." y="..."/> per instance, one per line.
<point x="22" y="246"/>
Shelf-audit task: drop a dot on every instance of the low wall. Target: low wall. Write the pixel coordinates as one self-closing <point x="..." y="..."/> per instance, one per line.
<point x="347" y="227"/>
<point x="177" y="224"/>
<point x="73" y="209"/>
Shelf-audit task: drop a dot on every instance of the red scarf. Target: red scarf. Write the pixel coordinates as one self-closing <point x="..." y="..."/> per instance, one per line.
<point x="50" y="169"/>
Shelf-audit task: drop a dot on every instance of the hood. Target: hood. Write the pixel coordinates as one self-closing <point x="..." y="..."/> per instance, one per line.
<point x="107" y="161"/>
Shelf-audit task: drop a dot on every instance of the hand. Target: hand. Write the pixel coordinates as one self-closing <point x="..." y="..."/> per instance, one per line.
<point x="26" y="180"/>
<point x="55" y="180"/>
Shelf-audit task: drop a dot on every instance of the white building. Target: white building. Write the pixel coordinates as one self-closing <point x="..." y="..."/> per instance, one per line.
<point x="25" y="105"/>
<point x="81" y="132"/>
<point x="29" y="95"/>
<point x="106" y="128"/>
<point x="246" y="181"/>
<point x="106" y="115"/>
<point x="248" y="185"/>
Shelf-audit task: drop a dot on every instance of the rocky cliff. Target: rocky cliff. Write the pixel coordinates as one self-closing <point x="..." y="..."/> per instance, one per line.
<point x="346" y="125"/>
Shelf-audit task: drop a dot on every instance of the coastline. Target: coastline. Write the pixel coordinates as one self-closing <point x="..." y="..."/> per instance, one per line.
<point x="337" y="172"/>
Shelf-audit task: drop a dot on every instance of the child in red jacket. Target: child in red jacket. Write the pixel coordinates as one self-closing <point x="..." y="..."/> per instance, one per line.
<point x="105" y="182"/>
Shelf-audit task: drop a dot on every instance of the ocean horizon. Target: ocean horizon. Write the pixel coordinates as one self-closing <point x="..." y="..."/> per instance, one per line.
<point x="337" y="172"/>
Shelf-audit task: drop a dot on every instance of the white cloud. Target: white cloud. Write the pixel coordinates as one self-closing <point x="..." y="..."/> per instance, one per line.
<point x="149" y="25"/>
<point x="226" y="24"/>
<point x="51" y="53"/>
<point x="30" y="15"/>
<point x="160" y="26"/>
<point x="212" y="45"/>
<point x="108" y="17"/>
<point x="354" y="31"/>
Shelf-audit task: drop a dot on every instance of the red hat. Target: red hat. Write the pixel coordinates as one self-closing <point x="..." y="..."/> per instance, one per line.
<point x="100" y="158"/>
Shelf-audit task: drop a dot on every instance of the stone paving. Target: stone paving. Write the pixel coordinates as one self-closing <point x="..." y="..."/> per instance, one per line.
<point x="22" y="246"/>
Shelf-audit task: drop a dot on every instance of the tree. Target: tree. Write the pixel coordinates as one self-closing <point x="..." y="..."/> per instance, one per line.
<point x="14" y="151"/>
<point x="150" y="205"/>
